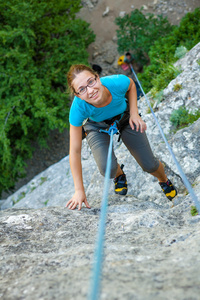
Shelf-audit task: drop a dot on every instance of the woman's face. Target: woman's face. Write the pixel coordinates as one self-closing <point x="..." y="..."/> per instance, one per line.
<point x="94" y="93"/>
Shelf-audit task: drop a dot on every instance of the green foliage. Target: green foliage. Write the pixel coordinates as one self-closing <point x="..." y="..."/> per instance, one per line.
<point x="181" y="117"/>
<point x="20" y="197"/>
<point x="167" y="74"/>
<point x="39" y="41"/>
<point x="158" y="96"/>
<point x="33" y="188"/>
<point x="163" y="53"/>
<point x="177" y="87"/>
<point x="43" y="179"/>
<point x="152" y="102"/>
<point x="188" y="33"/>
<point x="137" y="30"/>
<point x="180" y="52"/>
<point x="46" y="202"/>
<point x="194" y="211"/>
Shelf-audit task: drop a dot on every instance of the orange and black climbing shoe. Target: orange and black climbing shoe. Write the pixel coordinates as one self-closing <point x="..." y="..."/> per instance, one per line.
<point x="121" y="184"/>
<point x="169" y="189"/>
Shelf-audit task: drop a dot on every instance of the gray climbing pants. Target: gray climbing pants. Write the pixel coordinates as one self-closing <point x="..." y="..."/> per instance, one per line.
<point x="136" y="142"/>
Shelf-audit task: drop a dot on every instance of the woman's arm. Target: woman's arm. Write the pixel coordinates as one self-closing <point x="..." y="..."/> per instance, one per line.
<point x="135" y="119"/>
<point x="76" y="168"/>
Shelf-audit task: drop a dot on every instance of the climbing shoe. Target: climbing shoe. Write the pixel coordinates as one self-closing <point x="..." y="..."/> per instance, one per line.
<point x="169" y="189"/>
<point x="121" y="184"/>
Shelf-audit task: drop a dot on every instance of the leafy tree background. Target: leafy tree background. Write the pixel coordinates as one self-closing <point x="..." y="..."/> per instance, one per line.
<point x="154" y="41"/>
<point x="39" y="41"/>
<point x="163" y="52"/>
<point x="137" y="31"/>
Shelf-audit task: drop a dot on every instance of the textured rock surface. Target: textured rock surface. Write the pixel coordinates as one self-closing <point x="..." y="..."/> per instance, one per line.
<point x="150" y="252"/>
<point x="151" y="247"/>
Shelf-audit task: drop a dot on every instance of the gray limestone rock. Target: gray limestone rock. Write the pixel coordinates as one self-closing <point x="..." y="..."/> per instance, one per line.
<point x="150" y="252"/>
<point x="151" y="248"/>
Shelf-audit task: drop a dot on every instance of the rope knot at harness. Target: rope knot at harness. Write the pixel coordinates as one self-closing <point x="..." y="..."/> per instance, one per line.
<point x="113" y="128"/>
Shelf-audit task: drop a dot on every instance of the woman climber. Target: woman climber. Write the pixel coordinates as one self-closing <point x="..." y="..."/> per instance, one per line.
<point x="97" y="103"/>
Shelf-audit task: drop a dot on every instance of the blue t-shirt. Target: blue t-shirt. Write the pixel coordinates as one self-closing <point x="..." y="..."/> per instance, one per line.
<point x="81" y="110"/>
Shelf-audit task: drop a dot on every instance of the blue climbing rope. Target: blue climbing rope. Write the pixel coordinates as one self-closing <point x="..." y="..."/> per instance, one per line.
<point x="182" y="174"/>
<point x="98" y="262"/>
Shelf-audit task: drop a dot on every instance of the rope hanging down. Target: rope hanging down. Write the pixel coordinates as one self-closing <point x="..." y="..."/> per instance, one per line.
<point x="182" y="174"/>
<point x="95" y="291"/>
<point x="102" y="223"/>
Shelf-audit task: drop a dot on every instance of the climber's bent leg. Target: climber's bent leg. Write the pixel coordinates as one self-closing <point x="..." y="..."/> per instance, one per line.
<point x="138" y="145"/>
<point x="99" y="144"/>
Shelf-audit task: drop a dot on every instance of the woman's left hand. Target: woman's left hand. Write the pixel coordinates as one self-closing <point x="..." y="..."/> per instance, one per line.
<point x="136" y="121"/>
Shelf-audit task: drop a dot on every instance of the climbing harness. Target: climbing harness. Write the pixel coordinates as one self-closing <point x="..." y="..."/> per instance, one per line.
<point x="182" y="174"/>
<point x="102" y="223"/>
<point x="121" y="120"/>
<point x="112" y="129"/>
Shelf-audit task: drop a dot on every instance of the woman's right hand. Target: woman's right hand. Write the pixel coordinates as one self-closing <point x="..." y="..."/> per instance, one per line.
<point x="78" y="198"/>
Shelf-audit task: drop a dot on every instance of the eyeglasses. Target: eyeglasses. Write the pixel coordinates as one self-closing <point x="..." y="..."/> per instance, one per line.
<point x="91" y="83"/>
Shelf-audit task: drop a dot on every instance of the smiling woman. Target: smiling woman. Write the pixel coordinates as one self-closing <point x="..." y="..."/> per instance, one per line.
<point x="89" y="89"/>
<point x="100" y="101"/>
<point x="83" y="89"/>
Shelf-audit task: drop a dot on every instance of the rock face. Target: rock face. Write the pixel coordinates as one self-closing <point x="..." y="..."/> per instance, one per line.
<point x="151" y="246"/>
<point x="150" y="252"/>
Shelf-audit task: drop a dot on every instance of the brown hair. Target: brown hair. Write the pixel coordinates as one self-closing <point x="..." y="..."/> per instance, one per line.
<point x="75" y="70"/>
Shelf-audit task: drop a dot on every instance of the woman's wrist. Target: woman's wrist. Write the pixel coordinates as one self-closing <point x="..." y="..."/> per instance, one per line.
<point x="134" y="113"/>
<point x="80" y="190"/>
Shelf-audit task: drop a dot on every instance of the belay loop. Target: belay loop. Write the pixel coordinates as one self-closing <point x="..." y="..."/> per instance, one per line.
<point x="113" y="128"/>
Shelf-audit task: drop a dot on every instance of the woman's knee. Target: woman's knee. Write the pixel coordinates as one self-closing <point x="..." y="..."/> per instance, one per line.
<point x="102" y="169"/>
<point x="150" y="168"/>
